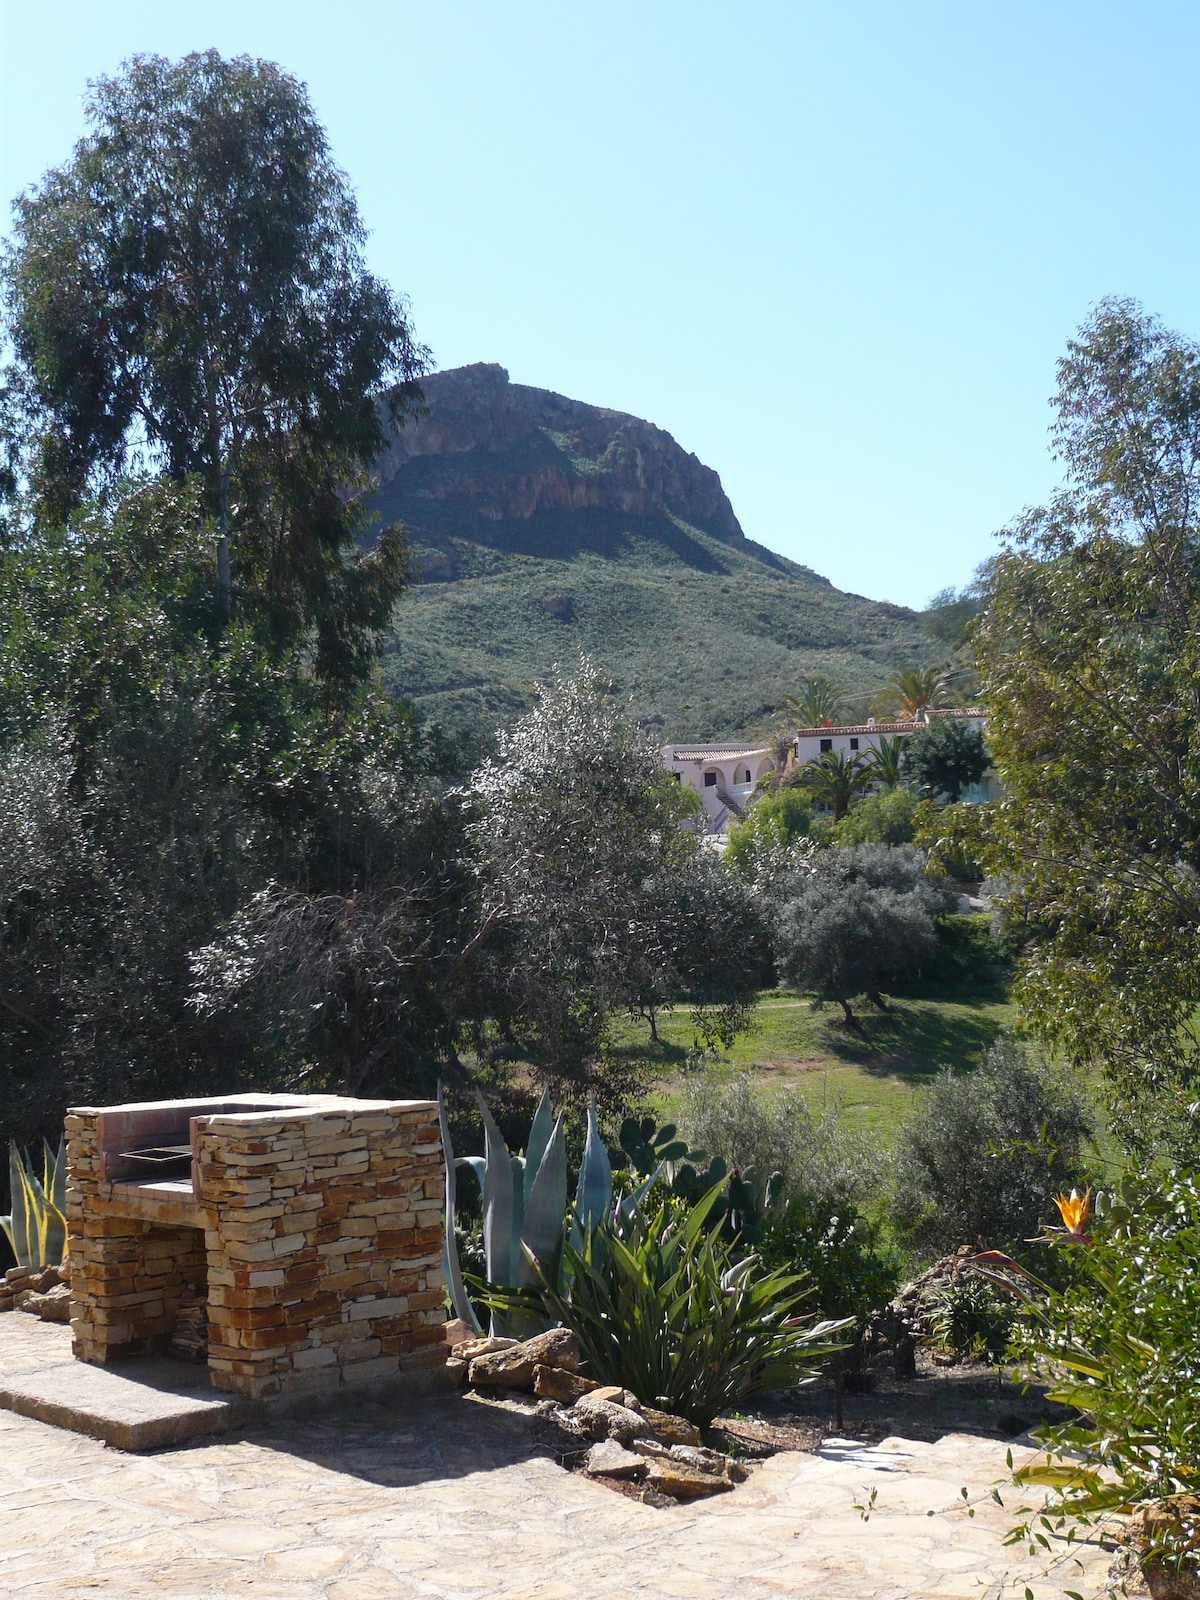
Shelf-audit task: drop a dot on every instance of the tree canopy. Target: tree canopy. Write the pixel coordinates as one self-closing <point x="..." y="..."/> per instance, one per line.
<point x="854" y="921"/>
<point x="943" y="758"/>
<point x="188" y="294"/>
<point x="1089" y="652"/>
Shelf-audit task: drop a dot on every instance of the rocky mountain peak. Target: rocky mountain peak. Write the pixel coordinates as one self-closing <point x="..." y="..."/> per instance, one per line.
<point x="504" y="452"/>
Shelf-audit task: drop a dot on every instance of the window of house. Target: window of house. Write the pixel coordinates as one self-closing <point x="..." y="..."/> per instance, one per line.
<point x="826" y="744"/>
<point x="744" y="777"/>
<point x="710" y="780"/>
<point x="854" y="744"/>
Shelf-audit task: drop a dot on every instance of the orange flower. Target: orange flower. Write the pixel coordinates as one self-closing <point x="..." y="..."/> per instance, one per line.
<point x="1073" y="1209"/>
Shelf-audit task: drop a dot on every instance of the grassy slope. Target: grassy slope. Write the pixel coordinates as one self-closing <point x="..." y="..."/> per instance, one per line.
<point x="707" y="642"/>
<point x="871" y="1076"/>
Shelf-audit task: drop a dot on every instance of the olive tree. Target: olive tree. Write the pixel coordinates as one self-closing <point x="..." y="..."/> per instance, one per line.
<point x="854" y="921"/>
<point x="595" y="900"/>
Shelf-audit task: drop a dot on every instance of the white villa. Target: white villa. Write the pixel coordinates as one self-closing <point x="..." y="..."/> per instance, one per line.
<point x="812" y="743"/>
<point x="726" y="776"/>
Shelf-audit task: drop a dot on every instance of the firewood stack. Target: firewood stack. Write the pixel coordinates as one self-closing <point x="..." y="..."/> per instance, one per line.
<point x="189" y="1342"/>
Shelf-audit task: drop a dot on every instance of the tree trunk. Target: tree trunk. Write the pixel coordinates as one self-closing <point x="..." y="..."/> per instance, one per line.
<point x="850" y="1019"/>
<point x="224" y="575"/>
<point x="877" y="1000"/>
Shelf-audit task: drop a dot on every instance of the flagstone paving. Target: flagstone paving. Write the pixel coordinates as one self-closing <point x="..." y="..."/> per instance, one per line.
<point x="449" y="1497"/>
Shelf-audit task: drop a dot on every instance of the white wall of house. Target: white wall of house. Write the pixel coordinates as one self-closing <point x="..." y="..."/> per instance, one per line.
<point x="811" y="743"/>
<point x="724" y="776"/>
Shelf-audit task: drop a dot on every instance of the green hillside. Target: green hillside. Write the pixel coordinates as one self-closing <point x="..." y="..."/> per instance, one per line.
<point x="543" y="528"/>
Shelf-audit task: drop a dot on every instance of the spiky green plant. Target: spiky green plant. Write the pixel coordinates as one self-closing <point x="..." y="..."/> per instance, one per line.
<point x="524" y="1201"/>
<point x="36" y="1227"/>
<point x="660" y="1306"/>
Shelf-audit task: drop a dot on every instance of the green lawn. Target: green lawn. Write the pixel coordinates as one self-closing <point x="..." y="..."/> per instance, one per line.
<point x="870" y="1074"/>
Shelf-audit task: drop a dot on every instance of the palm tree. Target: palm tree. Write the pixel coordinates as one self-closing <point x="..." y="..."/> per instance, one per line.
<point x="817" y="704"/>
<point x="836" y="778"/>
<point x="886" y="762"/>
<point x="915" y="690"/>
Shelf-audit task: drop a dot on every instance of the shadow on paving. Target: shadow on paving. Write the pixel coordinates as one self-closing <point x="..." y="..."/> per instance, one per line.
<point x="406" y="1442"/>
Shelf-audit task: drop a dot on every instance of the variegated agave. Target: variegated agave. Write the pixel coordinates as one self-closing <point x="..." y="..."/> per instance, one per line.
<point x="37" y="1225"/>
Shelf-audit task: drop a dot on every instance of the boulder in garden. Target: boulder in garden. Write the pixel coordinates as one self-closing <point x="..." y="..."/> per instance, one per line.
<point x="553" y="1383"/>
<point x="514" y="1368"/>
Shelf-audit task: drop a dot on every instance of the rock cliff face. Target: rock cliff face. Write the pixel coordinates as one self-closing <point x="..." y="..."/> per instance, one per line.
<point x="495" y="452"/>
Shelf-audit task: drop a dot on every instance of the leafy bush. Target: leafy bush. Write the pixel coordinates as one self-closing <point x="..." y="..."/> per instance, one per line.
<point x="973" y="1318"/>
<point x="1120" y="1343"/>
<point x="885" y="816"/>
<point x="853" y="1272"/>
<point x="660" y="1306"/>
<point x="983" y="1153"/>
<point x="859" y="921"/>
<point x="819" y="1159"/>
<point x="967" y="959"/>
<point x="778" y="818"/>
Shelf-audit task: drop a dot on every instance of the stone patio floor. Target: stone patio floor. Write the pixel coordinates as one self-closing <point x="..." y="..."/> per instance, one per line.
<point x="448" y="1497"/>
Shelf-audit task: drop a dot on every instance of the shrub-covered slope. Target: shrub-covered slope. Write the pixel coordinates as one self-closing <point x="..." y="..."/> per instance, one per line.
<point x="543" y="527"/>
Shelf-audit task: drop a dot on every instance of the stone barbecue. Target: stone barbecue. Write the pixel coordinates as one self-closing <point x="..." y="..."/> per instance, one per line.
<point x="309" y="1225"/>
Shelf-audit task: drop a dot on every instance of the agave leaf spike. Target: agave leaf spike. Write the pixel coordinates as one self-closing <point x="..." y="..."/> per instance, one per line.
<point x="540" y="1132"/>
<point x="519" y="1168"/>
<point x="594" y="1195"/>
<point x="497" y="1203"/>
<point x="541" y="1238"/>
<point x="458" y="1293"/>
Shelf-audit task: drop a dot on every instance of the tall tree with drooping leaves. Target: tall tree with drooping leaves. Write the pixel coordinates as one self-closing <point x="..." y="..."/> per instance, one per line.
<point x="1089" y="648"/>
<point x="188" y="294"/>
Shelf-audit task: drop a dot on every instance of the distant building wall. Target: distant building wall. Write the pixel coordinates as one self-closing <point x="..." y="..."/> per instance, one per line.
<point x="724" y="776"/>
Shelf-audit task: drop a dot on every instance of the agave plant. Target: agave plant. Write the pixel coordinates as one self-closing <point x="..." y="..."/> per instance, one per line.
<point x="660" y="1306"/>
<point x="524" y="1202"/>
<point x="37" y="1225"/>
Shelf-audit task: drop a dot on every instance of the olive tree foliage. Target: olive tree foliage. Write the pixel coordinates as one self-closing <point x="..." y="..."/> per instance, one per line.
<point x="943" y="758"/>
<point x="595" y="900"/>
<point x="854" y="921"/>
<point x="1089" y="647"/>
<point x="981" y="1157"/>
<point x="188" y="294"/>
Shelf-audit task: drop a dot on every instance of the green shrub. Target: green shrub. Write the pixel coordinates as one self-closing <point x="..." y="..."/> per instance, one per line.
<point x="775" y="819"/>
<point x="974" y="1318"/>
<point x="967" y="959"/>
<point x="661" y="1306"/>
<point x="842" y="1252"/>
<point x="885" y="816"/>
<point x="983" y="1153"/>
<point x="819" y="1159"/>
<point x="1121" y="1343"/>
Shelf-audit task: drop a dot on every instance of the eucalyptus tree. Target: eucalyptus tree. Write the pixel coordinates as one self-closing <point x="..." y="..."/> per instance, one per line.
<point x="188" y="295"/>
<point x="1089" y="649"/>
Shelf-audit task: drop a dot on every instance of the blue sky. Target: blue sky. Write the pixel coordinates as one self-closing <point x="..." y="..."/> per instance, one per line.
<point x="834" y="249"/>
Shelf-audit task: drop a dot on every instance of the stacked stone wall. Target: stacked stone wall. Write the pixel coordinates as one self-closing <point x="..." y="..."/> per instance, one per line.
<point x="318" y="1232"/>
<point x="325" y="1261"/>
